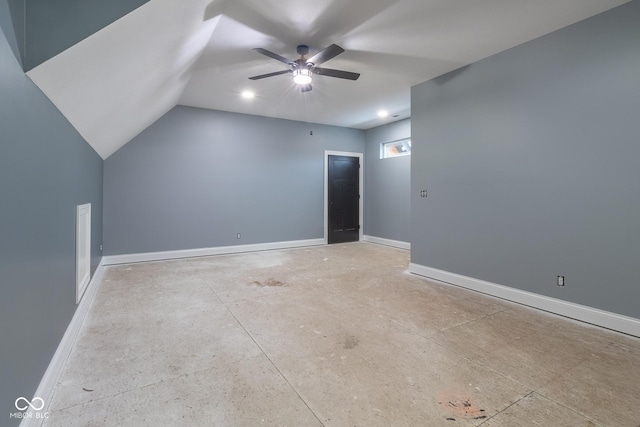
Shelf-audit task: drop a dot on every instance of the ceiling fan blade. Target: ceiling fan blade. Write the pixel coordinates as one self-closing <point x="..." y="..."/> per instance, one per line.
<point x="305" y="88"/>
<point x="262" y="76"/>
<point x="273" y="55"/>
<point x="326" y="54"/>
<point x="336" y="73"/>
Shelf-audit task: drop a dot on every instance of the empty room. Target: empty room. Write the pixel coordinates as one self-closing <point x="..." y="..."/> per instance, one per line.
<point x="356" y="213"/>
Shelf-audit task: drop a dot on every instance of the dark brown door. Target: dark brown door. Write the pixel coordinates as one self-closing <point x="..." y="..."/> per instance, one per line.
<point x="344" y="199"/>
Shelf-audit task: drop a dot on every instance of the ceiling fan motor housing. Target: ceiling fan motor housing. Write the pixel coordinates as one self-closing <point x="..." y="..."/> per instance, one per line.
<point x="302" y="64"/>
<point x="302" y="50"/>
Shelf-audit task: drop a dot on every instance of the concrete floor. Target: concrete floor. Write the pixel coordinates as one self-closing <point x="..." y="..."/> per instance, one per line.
<point x="337" y="335"/>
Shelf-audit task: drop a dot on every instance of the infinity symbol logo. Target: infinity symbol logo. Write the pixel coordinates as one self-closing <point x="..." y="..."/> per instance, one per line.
<point x="33" y="404"/>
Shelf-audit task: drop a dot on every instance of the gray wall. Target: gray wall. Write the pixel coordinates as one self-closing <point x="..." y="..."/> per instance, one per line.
<point x="531" y="158"/>
<point x="46" y="169"/>
<point x="12" y="21"/>
<point x="196" y="178"/>
<point x="387" y="185"/>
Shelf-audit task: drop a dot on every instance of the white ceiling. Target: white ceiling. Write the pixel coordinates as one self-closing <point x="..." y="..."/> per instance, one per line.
<point x="117" y="82"/>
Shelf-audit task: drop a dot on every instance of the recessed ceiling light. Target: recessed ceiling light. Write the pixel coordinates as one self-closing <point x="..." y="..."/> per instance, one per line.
<point x="247" y="94"/>
<point x="383" y="113"/>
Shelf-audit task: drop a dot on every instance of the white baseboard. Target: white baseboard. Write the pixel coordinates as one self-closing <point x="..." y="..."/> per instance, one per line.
<point x="605" y="319"/>
<point x="50" y="378"/>
<point x="387" y="242"/>
<point x="221" y="250"/>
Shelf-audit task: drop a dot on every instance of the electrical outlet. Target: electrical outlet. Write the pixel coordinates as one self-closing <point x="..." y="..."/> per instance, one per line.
<point x="100" y="248"/>
<point x="239" y="235"/>
<point x="560" y="280"/>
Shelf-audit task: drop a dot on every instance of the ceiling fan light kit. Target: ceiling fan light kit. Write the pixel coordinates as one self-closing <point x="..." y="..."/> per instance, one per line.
<point x="302" y="76"/>
<point x="302" y="68"/>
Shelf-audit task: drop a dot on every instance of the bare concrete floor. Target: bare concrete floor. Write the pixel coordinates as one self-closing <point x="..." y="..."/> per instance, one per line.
<point x="337" y="335"/>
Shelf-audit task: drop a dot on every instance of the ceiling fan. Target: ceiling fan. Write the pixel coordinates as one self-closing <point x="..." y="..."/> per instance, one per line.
<point x="304" y="68"/>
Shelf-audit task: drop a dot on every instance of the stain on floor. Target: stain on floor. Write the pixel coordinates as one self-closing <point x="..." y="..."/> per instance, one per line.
<point x="460" y="406"/>
<point x="269" y="283"/>
<point x="351" y="342"/>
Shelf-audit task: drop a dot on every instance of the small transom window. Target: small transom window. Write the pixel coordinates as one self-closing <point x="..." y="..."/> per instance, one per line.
<point x="395" y="148"/>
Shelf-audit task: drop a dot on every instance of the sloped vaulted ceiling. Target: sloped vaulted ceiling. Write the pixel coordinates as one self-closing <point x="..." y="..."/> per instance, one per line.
<point x="117" y="82"/>
<point x="44" y="28"/>
<point x="121" y="79"/>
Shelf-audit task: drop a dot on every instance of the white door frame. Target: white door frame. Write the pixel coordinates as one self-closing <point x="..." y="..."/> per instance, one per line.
<point x="360" y="157"/>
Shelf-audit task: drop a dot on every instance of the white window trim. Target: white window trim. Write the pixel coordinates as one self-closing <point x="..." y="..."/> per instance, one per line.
<point x="396" y="141"/>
